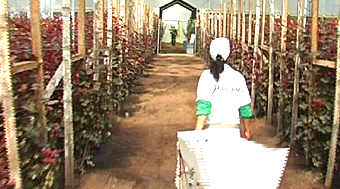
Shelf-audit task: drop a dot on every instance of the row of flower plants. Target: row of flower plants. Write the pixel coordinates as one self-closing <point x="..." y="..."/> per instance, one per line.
<point x="94" y="100"/>
<point x="314" y="119"/>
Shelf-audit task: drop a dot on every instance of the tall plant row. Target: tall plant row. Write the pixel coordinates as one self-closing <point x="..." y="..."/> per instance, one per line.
<point x="315" y="117"/>
<point x="95" y="101"/>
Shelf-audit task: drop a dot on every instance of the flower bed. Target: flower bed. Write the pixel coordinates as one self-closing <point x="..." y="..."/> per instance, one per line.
<point x="315" y="118"/>
<point x="94" y="101"/>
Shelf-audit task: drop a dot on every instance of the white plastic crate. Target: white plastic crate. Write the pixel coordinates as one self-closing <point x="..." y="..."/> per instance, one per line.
<point x="219" y="159"/>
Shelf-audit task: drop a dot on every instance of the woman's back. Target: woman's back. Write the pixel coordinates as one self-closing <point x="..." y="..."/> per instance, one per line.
<point x="226" y="95"/>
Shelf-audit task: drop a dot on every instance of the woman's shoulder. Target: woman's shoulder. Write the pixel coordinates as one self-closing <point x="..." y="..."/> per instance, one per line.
<point x="236" y="73"/>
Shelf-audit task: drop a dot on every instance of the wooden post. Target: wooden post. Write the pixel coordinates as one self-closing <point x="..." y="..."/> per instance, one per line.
<point x="256" y="42"/>
<point x="239" y="21"/>
<point x="126" y="11"/>
<point x="224" y="19"/>
<point x="147" y="17"/>
<point x="202" y="22"/>
<point x="139" y="16"/>
<point x="117" y="10"/>
<point x="243" y="2"/>
<point x="250" y="22"/>
<point x="96" y="37"/>
<point x="282" y="68"/>
<point x="100" y="22"/>
<point x="231" y="20"/>
<point x="202" y="17"/>
<point x="207" y="19"/>
<point x="150" y="21"/>
<point x="122" y="11"/>
<point x="6" y="97"/>
<point x="143" y="18"/>
<point x="109" y="23"/>
<point x="109" y="43"/>
<point x="228" y="21"/>
<point x="158" y="36"/>
<point x="73" y="24"/>
<point x="142" y="15"/>
<point x="296" y="77"/>
<point x="37" y="51"/>
<point x="271" y="64"/>
<point x="335" y="130"/>
<point x="220" y="24"/>
<point x="212" y="31"/>
<point x="81" y="28"/>
<point x="243" y="36"/>
<point x="132" y="18"/>
<point x="264" y="5"/>
<point x="211" y="25"/>
<point x="314" y="48"/>
<point x="215" y="23"/>
<point x="234" y="19"/>
<point x="67" y="82"/>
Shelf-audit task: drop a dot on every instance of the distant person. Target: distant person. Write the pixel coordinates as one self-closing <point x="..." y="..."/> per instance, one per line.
<point x="223" y="98"/>
<point x="173" y="33"/>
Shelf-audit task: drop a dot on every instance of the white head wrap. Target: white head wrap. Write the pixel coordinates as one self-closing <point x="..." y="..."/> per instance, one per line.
<point x="220" y="46"/>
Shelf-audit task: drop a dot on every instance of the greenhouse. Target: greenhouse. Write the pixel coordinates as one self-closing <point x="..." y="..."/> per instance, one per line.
<point x="104" y="94"/>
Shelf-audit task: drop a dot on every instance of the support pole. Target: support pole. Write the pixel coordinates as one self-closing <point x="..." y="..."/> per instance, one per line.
<point x="256" y="41"/>
<point x="314" y="48"/>
<point x="7" y="100"/>
<point x="215" y="23"/>
<point x="158" y="36"/>
<point x="228" y="21"/>
<point x="282" y="68"/>
<point x="37" y="51"/>
<point x="100" y="22"/>
<point x="264" y="5"/>
<point x="81" y="27"/>
<point x="220" y="19"/>
<point x="234" y="19"/>
<point x="250" y="22"/>
<point x="296" y="77"/>
<point x="211" y="22"/>
<point x="263" y="24"/>
<point x="335" y="130"/>
<point x="239" y="21"/>
<point x="68" y="115"/>
<point x="271" y="64"/>
<point x="243" y="21"/>
<point x="109" y="40"/>
<point x="224" y="19"/>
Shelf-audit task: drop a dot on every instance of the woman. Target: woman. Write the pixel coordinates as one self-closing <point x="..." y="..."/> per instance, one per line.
<point x="222" y="94"/>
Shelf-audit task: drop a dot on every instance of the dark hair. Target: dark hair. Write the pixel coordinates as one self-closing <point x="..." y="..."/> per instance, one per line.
<point x="217" y="67"/>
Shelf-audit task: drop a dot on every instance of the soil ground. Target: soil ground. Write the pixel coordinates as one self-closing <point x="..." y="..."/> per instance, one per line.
<point x="142" y="154"/>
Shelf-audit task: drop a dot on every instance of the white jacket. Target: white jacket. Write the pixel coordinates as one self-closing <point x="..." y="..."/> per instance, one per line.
<point x="226" y="96"/>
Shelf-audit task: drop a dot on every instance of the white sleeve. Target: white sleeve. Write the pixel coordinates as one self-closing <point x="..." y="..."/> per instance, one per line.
<point x="245" y="98"/>
<point x="205" y="87"/>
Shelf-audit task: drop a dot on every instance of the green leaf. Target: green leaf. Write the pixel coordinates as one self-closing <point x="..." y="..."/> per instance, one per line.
<point x="325" y="80"/>
<point x="52" y="102"/>
<point x="118" y="81"/>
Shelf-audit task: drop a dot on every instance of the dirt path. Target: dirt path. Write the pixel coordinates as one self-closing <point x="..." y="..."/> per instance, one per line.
<point x="142" y="154"/>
